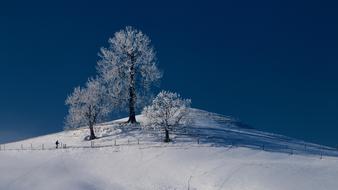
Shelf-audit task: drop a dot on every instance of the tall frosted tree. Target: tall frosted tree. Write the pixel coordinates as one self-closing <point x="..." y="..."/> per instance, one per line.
<point x="87" y="106"/>
<point x="129" y="69"/>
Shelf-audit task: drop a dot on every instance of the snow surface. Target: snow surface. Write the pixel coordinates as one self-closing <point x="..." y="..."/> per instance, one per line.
<point x="227" y="157"/>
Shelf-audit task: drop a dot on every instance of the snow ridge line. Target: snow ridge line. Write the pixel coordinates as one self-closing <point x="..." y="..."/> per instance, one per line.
<point x="148" y="145"/>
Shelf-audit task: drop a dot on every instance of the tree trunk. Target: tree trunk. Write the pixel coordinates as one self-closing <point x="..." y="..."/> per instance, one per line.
<point x="132" y="93"/>
<point x="92" y="134"/>
<point x="167" y="139"/>
<point x="132" y="117"/>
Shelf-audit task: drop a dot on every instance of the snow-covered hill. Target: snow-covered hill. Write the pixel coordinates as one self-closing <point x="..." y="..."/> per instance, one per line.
<point x="215" y="152"/>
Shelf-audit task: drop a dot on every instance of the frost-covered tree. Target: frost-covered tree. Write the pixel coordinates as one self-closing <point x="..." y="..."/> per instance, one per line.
<point x="87" y="106"/>
<point x="128" y="67"/>
<point x="167" y="111"/>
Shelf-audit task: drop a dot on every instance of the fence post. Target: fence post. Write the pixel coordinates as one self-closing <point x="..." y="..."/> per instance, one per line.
<point x="31" y="146"/>
<point x="43" y="146"/>
<point x="321" y="153"/>
<point x="198" y="140"/>
<point x="128" y="141"/>
<point x="21" y="147"/>
<point x="115" y="142"/>
<point x="138" y="141"/>
<point x="291" y="152"/>
<point x="263" y="146"/>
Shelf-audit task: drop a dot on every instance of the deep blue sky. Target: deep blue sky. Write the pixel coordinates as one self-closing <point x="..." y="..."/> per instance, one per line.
<point x="271" y="64"/>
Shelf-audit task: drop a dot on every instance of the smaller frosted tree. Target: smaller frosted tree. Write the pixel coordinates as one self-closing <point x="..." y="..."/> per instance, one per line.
<point x="168" y="110"/>
<point x="87" y="106"/>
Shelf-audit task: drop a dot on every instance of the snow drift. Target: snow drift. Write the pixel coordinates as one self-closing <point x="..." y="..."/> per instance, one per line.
<point x="215" y="152"/>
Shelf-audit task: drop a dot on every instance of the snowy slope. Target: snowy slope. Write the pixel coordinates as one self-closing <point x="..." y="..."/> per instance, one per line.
<point x="227" y="156"/>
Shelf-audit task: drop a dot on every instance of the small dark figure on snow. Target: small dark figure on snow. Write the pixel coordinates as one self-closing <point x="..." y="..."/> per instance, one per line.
<point x="57" y="144"/>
